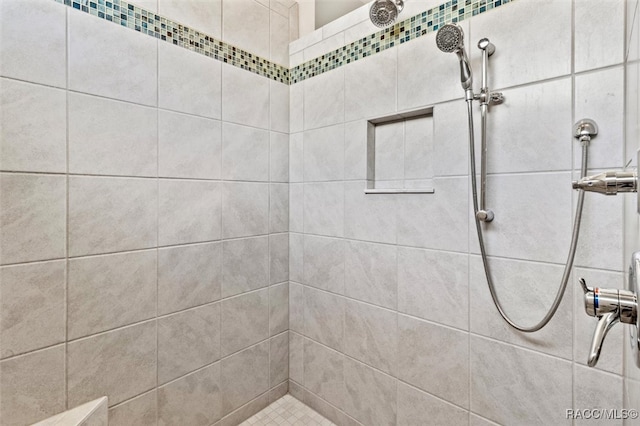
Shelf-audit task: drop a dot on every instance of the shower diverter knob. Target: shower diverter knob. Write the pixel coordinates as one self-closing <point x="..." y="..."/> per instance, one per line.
<point x="609" y="305"/>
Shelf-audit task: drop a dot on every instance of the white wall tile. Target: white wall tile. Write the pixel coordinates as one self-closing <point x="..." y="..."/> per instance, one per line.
<point x="355" y="150"/>
<point x="245" y="321"/>
<point x="279" y="104"/>
<point x="32" y="386"/>
<point x="278" y="207"/>
<point x="32" y="307"/>
<point x="296" y="107"/>
<point x="245" y="153"/>
<point x="371" y="273"/>
<point x="187" y="341"/>
<point x="201" y="16"/>
<point x="244" y="376"/>
<point x="499" y="393"/>
<point x="189" y="147"/>
<point x="39" y="54"/>
<point x="279" y="157"/>
<point x="279" y="38"/>
<point x="124" y="217"/>
<point x="600" y="231"/>
<point x="370" y="396"/>
<point x="588" y="393"/>
<point x="189" y="276"/>
<point x="278" y="258"/>
<point x="245" y="265"/>
<point x="194" y="399"/>
<point x="118" y="364"/>
<point x="296" y="157"/>
<point x="526" y="291"/>
<point x="189" y="82"/>
<point x="189" y="211"/>
<point x="131" y="77"/>
<point x="324" y="317"/>
<point x="142" y="410"/>
<point x="423" y="363"/>
<point x="279" y="359"/>
<point x="245" y="209"/>
<point x="32" y="217"/>
<point x="599" y="33"/>
<point x="324" y="154"/>
<point x="433" y="284"/>
<point x="324" y="372"/>
<point x="524" y="59"/>
<point x="124" y="141"/>
<point x="413" y="404"/>
<point x="371" y="86"/>
<point x="371" y="336"/>
<point x="296" y="307"/>
<point x="245" y="97"/>
<point x="599" y="95"/>
<point x="245" y="24"/>
<point x="389" y="152"/>
<point x="325" y="45"/>
<point x="32" y="127"/>
<point x="517" y="229"/>
<point x="105" y="292"/>
<point x="324" y="208"/>
<point x="437" y="220"/>
<point x="516" y="143"/>
<point x="451" y="139"/>
<point x="324" y="265"/>
<point x="278" y="309"/>
<point x="323" y="100"/>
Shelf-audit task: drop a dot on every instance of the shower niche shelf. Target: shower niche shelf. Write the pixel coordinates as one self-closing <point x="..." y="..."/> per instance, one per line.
<point x="400" y="153"/>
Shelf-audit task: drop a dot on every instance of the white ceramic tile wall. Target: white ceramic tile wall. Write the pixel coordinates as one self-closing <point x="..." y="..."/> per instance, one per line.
<point x="391" y="321"/>
<point x="144" y="217"/>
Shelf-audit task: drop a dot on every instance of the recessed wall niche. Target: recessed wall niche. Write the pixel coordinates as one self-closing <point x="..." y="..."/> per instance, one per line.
<point x="400" y="153"/>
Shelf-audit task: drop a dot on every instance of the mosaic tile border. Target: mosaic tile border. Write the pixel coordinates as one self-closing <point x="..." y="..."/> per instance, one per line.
<point x="136" y="18"/>
<point x="399" y="33"/>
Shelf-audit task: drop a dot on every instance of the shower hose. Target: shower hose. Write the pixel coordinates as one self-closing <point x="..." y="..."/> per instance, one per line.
<point x="574" y="237"/>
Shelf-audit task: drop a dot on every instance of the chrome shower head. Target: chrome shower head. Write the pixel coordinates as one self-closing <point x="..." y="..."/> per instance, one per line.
<point x="450" y="38"/>
<point x="385" y="12"/>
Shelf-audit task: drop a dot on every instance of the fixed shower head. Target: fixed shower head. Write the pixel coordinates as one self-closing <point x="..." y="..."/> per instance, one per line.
<point x="385" y="12"/>
<point x="450" y="38"/>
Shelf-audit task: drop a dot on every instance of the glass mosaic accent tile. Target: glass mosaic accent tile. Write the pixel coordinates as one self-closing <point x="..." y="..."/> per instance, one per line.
<point x="396" y="34"/>
<point x="131" y="16"/>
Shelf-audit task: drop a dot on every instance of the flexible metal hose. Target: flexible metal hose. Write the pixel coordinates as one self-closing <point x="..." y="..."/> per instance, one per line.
<point x="572" y="248"/>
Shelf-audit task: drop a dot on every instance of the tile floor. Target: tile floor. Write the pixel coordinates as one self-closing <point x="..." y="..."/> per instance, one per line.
<point x="287" y="411"/>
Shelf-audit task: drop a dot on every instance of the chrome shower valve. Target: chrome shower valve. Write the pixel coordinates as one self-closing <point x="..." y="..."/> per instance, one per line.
<point x="610" y="306"/>
<point x="609" y="183"/>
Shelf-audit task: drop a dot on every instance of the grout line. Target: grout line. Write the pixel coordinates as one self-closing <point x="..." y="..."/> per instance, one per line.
<point x="157" y="395"/>
<point x="67" y="233"/>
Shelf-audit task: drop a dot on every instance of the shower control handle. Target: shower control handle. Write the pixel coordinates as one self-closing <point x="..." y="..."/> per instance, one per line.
<point x="609" y="306"/>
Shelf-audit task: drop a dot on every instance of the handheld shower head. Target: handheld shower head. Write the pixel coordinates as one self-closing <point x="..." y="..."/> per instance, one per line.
<point x="450" y="38"/>
<point x="385" y="12"/>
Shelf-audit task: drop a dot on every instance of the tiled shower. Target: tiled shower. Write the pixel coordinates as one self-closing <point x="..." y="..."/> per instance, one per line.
<point x="184" y="227"/>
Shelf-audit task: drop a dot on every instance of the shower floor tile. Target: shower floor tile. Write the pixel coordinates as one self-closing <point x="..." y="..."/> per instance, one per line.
<point x="287" y="411"/>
